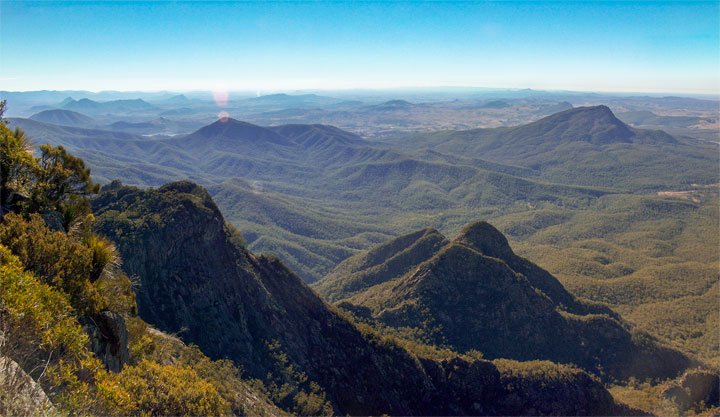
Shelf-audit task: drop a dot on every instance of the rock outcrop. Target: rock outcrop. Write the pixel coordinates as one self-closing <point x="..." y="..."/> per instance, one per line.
<point x="197" y="281"/>
<point x="108" y="339"/>
<point x="20" y="395"/>
<point x="697" y="389"/>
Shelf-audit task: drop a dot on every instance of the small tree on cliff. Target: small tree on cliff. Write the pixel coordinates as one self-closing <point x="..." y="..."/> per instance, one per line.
<point x="16" y="166"/>
<point x="62" y="183"/>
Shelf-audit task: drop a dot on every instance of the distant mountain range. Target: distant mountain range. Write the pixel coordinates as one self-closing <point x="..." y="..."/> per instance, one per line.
<point x="90" y="106"/>
<point x="347" y="175"/>
<point x="420" y="308"/>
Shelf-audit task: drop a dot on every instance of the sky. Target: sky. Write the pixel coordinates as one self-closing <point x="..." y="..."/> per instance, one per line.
<point x="272" y="46"/>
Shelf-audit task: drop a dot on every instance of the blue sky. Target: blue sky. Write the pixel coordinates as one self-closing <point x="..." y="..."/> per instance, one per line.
<point x="134" y="45"/>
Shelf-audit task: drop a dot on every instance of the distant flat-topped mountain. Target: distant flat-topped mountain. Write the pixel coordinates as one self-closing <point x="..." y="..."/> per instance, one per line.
<point x="391" y="105"/>
<point x="474" y="293"/>
<point x="495" y="104"/>
<point x="64" y="118"/>
<point x="91" y="106"/>
<point x="196" y="275"/>
<point x="595" y="125"/>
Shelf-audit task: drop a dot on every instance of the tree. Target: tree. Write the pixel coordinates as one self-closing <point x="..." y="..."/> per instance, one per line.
<point x="62" y="183"/>
<point x="55" y="259"/>
<point x="3" y="107"/>
<point x="16" y="165"/>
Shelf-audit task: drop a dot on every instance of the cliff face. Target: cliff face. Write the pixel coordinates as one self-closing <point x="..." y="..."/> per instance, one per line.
<point x="475" y="293"/>
<point x="108" y="336"/>
<point x="198" y="281"/>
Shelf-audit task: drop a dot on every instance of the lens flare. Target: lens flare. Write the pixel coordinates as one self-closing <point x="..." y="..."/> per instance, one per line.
<point x="221" y="98"/>
<point x="223" y="116"/>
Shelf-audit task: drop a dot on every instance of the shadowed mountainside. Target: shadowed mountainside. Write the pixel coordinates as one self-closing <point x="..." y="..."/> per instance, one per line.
<point x="474" y="293"/>
<point x="195" y="274"/>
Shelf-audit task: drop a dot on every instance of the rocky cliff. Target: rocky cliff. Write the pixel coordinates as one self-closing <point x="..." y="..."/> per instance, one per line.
<point x="199" y="281"/>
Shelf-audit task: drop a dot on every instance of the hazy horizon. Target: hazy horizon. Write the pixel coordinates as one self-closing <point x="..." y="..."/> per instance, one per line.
<point x="606" y="47"/>
<point x="399" y="91"/>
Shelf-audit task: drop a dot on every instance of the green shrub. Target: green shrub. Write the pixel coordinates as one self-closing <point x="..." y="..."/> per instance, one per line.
<point x="41" y="334"/>
<point x="54" y="258"/>
<point x="152" y="389"/>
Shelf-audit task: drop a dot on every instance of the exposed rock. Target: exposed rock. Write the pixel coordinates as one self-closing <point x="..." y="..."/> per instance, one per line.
<point x="108" y="339"/>
<point x="231" y="303"/>
<point x="697" y="389"/>
<point x="702" y="386"/>
<point x="53" y="221"/>
<point x="20" y="395"/>
<point x="678" y="396"/>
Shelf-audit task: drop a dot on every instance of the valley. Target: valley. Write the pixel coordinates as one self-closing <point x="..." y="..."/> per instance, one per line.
<point x="359" y="208"/>
<point x="615" y="225"/>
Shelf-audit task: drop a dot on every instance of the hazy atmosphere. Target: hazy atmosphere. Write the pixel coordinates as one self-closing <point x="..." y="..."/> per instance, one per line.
<point x="352" y="208"/>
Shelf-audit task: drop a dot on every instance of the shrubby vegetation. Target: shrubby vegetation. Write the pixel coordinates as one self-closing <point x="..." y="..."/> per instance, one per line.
<point x="291" y="389"/>
<point x="152" y="389"/>
<point x="51" y="279"/>
<point x="40" y="333"/>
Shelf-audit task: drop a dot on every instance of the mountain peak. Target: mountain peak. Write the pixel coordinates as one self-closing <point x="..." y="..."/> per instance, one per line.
<point x="594" y="124"/>
<point x="601" y="112"/>
<point x="474" y="293"/>
<point x="393" y="105"/>
<point x="186" y="187"/>
<point x="63" y="117"/>
<point x="231" y="132"/>
<point x="382" y="263"/>
<point x="227" y="127"/>
<point x="486" y="239"/>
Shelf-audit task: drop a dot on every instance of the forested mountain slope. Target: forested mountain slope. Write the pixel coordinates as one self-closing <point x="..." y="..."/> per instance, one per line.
<point x="584" y="146"/>
<point x="196" y="274"/>
<point x="350" y="179"/>
<point x="474" y="293"/>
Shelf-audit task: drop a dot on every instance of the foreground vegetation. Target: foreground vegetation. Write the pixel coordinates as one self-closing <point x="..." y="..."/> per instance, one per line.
<point x="53" y="282"/>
